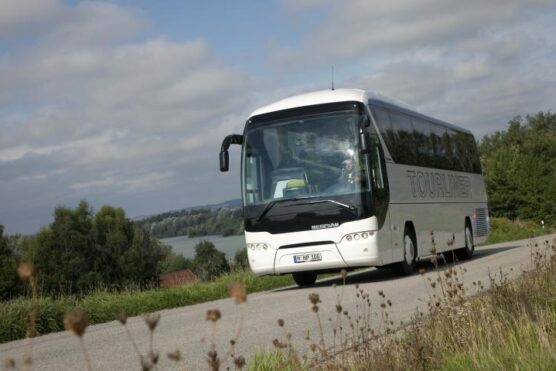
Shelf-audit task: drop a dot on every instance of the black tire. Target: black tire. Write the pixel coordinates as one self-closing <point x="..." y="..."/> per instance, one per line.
<point x="466" y="252"/>
<point x="407" y="265"/>
<point x="305" y="278"/>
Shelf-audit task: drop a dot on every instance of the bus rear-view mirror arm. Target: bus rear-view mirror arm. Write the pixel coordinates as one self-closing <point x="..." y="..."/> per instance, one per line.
<point x="224" y="156"/>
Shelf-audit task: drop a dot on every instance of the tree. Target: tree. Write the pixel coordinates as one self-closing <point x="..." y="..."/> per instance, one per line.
<point x="209" y="263"/>
<point x="9" y="283"/>
<point x="113" y="235"/>
<point x="175" y="262"/>
<point x="81" y="250"/>
<point x="143" y="258"/>
<point x="520" y="168"/>
<point x="241" y="260"/>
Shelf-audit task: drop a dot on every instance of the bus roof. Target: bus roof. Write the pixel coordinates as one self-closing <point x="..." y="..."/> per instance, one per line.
<point x="347" y="95"/>
<point x="314" y="98"/>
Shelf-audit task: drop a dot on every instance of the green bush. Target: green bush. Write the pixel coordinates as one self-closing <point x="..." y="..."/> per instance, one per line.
<point x="503" y="229"/>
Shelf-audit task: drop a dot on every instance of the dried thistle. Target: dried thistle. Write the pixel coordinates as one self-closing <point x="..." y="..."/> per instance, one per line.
<point x="314" y="298"/>
<point x="239" y="362"/>
<point x="146" y="363"/>
<point x="9" y="363"/>
<point x="238" y="292"/>
<point x="25" y="271"/>
<point x="213" y="315"/>
<point x="151" y="320"/>
<point x="175" y="356"/>
<point x="76" y="321"/>
<point x="122" y="318"/>
<point x="154" y="355"/>
<point x="213" y="360"/>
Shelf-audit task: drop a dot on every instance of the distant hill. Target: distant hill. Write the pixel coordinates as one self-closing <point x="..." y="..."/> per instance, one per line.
<point x="225" y="218"/>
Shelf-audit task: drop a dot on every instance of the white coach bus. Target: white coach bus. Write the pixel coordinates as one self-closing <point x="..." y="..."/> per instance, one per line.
<point x="345" y="178"/>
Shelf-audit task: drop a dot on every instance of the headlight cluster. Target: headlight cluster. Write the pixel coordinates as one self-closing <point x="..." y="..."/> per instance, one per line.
<point x="257" y="246"/>
<point x="358" y="236"/>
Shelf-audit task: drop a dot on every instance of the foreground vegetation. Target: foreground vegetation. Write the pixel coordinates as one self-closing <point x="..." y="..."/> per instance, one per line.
<point x="510" y="326"/>
<point x="104" y="306"/>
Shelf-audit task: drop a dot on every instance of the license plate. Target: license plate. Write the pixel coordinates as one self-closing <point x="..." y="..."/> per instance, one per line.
<point x="314" y="257"/>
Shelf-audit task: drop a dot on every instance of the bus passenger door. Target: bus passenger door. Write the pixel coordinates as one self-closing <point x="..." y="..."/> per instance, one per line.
<point x="381" y="197"/>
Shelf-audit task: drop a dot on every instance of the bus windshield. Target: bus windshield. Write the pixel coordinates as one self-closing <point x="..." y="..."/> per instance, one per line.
<point x="301" y="157"/>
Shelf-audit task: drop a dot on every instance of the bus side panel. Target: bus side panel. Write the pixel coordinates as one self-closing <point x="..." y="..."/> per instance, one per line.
<point x="437" y="201"/>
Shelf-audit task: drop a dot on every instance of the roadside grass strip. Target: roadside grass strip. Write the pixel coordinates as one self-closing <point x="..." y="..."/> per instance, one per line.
<point x="105" y="306"/>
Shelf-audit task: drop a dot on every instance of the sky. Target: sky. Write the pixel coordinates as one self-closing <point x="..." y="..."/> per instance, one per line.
<point x="125" y="103"/>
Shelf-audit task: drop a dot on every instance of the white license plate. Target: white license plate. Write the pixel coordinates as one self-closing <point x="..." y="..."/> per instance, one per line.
<point x="313" y="257"/>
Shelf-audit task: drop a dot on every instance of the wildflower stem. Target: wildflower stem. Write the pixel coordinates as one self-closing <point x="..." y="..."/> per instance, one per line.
<point x="238" y="331"/>
<point x="85" y="353"/>
<point x="31" y="330"/>
<point x="132" y="341"/>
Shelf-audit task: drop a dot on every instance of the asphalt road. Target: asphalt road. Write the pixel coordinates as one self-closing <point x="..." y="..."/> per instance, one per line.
<point x="187" y="330"/>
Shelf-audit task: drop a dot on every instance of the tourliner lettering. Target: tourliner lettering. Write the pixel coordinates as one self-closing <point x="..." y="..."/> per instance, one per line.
<point x="436" y="185"/>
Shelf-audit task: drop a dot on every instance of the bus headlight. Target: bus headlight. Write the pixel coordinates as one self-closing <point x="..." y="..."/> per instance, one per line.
<point x="257" y="246"/>
<point x="357" y="236"/>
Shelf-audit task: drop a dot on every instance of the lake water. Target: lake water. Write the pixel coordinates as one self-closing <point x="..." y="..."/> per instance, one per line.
<point x="186" y="246"/>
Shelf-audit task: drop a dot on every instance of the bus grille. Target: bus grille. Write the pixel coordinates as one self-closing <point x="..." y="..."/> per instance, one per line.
<point x="481" y="222"/>
<point x="315" y="243"/>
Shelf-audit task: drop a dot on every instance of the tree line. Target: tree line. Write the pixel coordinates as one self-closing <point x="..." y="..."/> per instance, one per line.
<point x="519" y="165"/>
<point x="82" y="250"/>
<point x="196" y="222"/>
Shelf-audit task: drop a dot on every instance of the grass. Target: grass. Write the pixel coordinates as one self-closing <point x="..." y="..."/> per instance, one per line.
<point x="510" y="326"/>
<point x="104" y="306"/>
<point x="503" y="229"/>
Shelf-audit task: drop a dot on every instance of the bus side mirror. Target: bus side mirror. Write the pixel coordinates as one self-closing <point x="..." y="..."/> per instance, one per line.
<point x="224" y="161"/>
<point x="224" y="156"/>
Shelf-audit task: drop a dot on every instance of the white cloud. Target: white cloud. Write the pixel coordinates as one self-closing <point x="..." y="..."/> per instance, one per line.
<point x="18" y="16"/>
<point x="100" y="116"/>
<point x="475" y="63"/>
<point x="363" y="27"/>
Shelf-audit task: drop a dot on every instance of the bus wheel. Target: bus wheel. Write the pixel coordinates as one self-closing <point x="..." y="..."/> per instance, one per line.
<point x="304" y="278"/>
<point x="407" y="265"/>
<point x="466" y="252"/>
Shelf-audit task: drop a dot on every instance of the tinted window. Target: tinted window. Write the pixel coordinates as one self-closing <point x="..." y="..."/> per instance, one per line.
<point x="474" y="161"/>
<point x="423" y="143"/>
<point x="403" y="144"/>
<point x="382" y="119"/>
<point x="417" y="141"/>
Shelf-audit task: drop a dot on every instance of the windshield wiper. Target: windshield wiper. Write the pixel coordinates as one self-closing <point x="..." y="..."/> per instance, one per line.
<point x="352" y="208"/>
